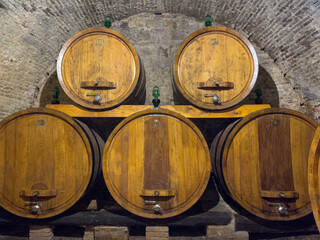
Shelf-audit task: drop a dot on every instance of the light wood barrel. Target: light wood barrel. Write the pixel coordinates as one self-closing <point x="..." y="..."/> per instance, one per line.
<point x="215" y="68"/>
<point x="98" y="68"/>
<point x="156" y="163"/>
<point x="261" y="162"/>
<point x="47" y="162"/>
<point x="313" y="176"/>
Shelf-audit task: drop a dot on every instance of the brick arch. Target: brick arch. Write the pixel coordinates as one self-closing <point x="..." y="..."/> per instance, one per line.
<point x="32" y="35"/>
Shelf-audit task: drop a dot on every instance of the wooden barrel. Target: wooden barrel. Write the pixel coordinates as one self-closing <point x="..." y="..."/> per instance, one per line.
<point x="98" y="68"/>
<point x="215" y="68"/>
<point x="47" y="162"/>
<point x="156" y="163"/>
<point x="261" y="163"/>
<point x="313" y="176"/>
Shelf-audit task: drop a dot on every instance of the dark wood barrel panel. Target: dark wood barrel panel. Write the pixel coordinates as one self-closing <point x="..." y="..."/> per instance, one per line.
<point x="263" y="163"/>
<point x="156" y="157"/>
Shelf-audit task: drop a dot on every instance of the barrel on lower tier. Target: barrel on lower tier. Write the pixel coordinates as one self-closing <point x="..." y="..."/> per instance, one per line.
<point x="156" y="163"/>
<point x="261" y="162"/>
<point x="313" y="176"/>
<point x="215" y="68"/>
<point x="98" y="68"/>
<point x="47" y="162"/>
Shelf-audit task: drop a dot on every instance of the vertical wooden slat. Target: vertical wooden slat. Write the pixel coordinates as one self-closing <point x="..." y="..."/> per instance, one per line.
<point x="275" y="153"/>
<point x="156" y="153"/>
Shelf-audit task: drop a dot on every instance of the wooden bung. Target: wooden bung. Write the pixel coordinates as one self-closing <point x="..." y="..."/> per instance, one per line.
<point x="215" y="68"/>
<point x="98" y="68"/>
<point x="48" y="161"/>
<point x="313" y="176"/>
<point x="261" y="163"/>
<point x="156" y="163"/>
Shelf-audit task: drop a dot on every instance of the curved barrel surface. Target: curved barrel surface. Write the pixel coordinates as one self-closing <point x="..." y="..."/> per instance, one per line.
<point x="215" y="68"/>
<point x="98" y="68"/>
<point x="313" y="176"/>
<point x="262" y="163"/>
<point x="156" y="163"/>
<point x="47" y="162"/>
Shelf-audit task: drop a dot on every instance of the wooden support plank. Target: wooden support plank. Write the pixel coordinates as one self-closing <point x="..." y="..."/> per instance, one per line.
<point x="185" y="110"/>
<point x="40" y="232"/>
<point x="96" y="218"/>
<point x="157" y="232"/>
<point x="306" y="225"/>
<point x="111" y="232"/>
<point x="88" y="233"/>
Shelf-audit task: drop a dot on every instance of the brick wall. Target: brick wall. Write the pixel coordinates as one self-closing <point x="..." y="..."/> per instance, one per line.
<point x="284" y="33"/>
<point x="34" y="31"/>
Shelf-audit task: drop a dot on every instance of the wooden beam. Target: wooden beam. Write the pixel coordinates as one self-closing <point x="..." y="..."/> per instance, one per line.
<point x="256" y="225"/>
<point x="185" y="110"/>
<point x="94" y="218"/>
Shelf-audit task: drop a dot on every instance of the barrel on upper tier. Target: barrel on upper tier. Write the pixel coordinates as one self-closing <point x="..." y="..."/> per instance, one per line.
<point x="313" y="176"/>
<point x="47" y="162"/>
<point x="215" y="68"/>
<point x="98" y="68"/>
<point x="261" y="162"/>
<point x="156" y="163"/>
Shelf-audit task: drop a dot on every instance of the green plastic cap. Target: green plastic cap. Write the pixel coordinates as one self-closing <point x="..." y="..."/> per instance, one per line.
<point x="156" y="92"/>
<point x="108" y="22"/>
<point x="55" y="93"/>
<point x="258" y="90"/>
<point x="208" y="21"/>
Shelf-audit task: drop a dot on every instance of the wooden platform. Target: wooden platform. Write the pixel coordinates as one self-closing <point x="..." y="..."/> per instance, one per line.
<point x="185" y="110"/>
<point x="102" y="217"/>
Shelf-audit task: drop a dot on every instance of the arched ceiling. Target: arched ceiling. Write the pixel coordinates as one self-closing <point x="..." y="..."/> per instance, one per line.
<point x="33" y="32"/>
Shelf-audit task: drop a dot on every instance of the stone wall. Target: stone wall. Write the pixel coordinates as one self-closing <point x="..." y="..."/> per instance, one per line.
<point x="34" y="31"/>
<point x="157" y="37"/>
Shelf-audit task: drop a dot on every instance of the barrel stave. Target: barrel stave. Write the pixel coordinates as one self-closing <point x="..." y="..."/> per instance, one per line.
<point x="47" y="163"/>
<point x="263" y="163"/>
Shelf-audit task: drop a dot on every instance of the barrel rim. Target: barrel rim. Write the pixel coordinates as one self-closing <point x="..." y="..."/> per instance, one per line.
<point x="313" y="176"/>
<point x="80" y="100"/>
<point x="305" y="209"/>
<point x="211" y="106"/>
<point x="62" y="207"/>
<point x="126" y="204"/>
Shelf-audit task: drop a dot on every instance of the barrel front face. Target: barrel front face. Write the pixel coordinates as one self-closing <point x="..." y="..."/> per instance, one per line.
<point x="265" y="162"/>
<point x="98" y="62"/>
<point x="215" y="68"/>
<point x="156" y="164"/>
<point x="46" y="163"/>
<point x="313" y="176"/>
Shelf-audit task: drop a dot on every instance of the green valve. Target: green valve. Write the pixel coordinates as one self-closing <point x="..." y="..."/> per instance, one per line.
<point x="108" y="22"/>
<point x="258" y="91"/>
<point x="208" y="21"/>
<point x="156" y="94"/>
<point x="55" y="96"/>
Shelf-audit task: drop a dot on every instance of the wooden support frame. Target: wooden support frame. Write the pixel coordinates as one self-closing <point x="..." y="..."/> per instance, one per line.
<point x="185" y="110"/>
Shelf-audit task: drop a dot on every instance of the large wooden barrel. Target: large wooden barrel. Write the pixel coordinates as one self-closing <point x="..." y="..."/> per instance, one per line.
<point x="215" y="68"/>
<point x="47" y="162"/>
<point x="313" y="176"/>
<point x="98" y="68"/>
<point x="261" y="163"/>
<point x="156" y="163"/>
